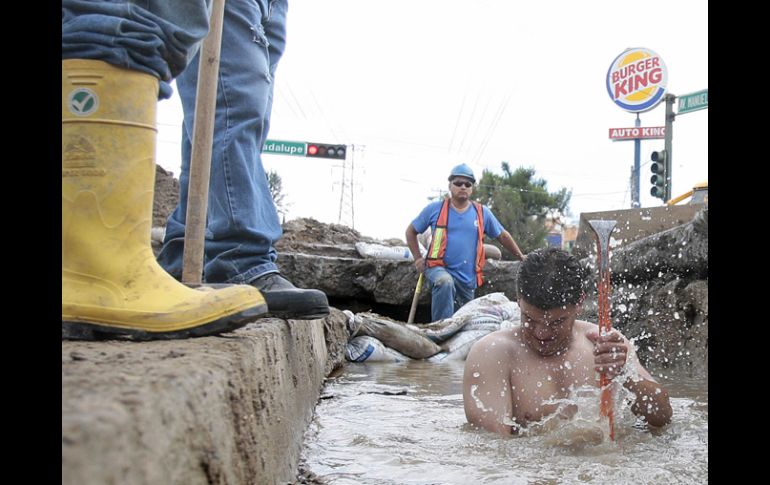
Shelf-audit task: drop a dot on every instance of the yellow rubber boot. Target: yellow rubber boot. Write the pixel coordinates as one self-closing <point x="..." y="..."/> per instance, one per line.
<point x="112" y="287"/>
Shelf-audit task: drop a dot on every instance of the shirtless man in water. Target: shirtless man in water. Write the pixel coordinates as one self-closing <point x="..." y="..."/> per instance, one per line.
<point x="510" y="374"/>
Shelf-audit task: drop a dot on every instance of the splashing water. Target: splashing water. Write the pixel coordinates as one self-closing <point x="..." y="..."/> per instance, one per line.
<point x="361" y="436"/>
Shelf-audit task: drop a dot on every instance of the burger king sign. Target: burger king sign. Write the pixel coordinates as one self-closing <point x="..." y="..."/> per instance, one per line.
<point x="636" y="80"/>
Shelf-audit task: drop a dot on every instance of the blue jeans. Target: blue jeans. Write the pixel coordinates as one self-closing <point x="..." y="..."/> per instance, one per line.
<point x="161" y="38"/>
<point x="242" y="224"/>
<point x="158" y="37"/>
<point x="447" y="294"/>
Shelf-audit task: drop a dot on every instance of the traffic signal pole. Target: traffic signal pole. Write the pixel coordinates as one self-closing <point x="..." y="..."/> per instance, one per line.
<point x="670" y="116"/>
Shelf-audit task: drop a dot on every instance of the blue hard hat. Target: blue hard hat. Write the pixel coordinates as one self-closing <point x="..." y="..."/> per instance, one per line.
<point x="462" y="170"/>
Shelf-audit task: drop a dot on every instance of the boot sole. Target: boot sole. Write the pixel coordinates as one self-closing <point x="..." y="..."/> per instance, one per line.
<point x="285" y="305"/>
<point x="311" y="314"/>
<point x="73" y="330"/>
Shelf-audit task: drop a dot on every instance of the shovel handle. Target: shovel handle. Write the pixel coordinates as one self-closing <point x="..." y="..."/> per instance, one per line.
<point x="602" y="230"/>
<point x="414" y="300"/>
<point x="203" y="139"/>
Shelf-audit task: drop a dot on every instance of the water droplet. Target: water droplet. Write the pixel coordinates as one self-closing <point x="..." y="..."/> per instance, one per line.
<point x="476" y="374"/>
<point x="539" y="384"/>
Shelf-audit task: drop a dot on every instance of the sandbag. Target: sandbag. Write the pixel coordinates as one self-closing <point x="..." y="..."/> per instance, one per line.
<point x="395" y="335"/>
<point x="378" y="251"/>
<point x="457" y="347"/>
<point x="492" y="252"/>
<point x="493" y="304"/>
<point x="440" y="330"/>
<point x="369" y="349"/>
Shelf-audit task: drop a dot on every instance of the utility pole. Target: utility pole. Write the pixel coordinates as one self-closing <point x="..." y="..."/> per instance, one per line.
<point x="346" y="214"/>
<point x="342" y="189"/>
<point x="352" y="184"/>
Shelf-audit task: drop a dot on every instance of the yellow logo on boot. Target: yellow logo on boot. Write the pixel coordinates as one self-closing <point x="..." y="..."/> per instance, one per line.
<point x="79" y="159"/>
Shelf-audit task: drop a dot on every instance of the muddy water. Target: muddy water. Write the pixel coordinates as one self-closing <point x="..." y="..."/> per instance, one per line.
<point x="404" y="424"/>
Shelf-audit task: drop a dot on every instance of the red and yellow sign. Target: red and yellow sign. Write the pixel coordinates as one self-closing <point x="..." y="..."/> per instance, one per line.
<point x="638" y="132"/>
<point x="636" y="80"/>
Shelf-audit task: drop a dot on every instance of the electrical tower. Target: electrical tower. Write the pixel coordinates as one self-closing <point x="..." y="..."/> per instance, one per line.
<point x="347" y="214"/>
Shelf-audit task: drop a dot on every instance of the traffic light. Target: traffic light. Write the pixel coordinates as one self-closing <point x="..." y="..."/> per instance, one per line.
<point x="658" y="179"/>
<point x="324" y="150"/>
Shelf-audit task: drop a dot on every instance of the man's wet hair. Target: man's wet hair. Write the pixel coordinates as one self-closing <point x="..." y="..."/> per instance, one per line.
<point x="551" y="278"/>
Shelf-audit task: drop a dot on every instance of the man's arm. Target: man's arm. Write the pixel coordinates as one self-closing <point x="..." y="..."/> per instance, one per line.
<point x="414" y="247"/>
<point x="508" y="243"/>
<point x="611" y="353"/>
<point x="651" y="402"/>
<point x="487" y="394"/>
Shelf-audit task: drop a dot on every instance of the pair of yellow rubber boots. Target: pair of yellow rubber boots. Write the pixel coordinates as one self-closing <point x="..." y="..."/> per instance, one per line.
<point x="112" y="286"/>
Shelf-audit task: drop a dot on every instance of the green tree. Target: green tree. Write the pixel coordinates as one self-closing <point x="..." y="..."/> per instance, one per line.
<point x="522" y="204"/>
<point x="275" y="184"/>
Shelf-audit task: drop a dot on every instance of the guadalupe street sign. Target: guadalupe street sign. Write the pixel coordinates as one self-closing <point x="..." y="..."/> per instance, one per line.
<point x="693" y="102"/>
<point x="638" y="132"/>
<point x="296" y="148"/>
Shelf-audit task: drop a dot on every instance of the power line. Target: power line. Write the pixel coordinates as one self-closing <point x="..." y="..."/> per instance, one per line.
<point x="286" y="101"/>
<point x="470" y="120"/>
<point x="492" y="129"/>
<point x="457" y="122"/>
<point x="481" y="119"/>
<point x="299" y="106"/>
<point x="323" y="115"/>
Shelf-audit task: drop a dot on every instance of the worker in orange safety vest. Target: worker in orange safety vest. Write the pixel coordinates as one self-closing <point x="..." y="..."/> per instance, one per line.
<point x="455" y="259"/>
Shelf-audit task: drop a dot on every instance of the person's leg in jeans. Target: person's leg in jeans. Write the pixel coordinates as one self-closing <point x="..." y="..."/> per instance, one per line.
<point x="243" y="224"/>
<point x="463" y="295"/>
<point x="442" y="293"/>
<point x="113" y="56"/>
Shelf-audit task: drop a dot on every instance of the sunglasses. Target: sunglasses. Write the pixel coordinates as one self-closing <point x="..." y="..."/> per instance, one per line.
<point x="458" y="183"/>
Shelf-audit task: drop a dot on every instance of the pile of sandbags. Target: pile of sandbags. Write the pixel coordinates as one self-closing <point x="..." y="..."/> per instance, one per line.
<point x="374" y="338"/>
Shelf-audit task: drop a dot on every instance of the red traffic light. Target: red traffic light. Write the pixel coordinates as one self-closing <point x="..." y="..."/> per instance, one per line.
<point x="323" y="150"/>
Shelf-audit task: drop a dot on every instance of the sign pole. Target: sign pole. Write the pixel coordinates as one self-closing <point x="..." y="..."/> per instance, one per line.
<point x="637" y="164"/>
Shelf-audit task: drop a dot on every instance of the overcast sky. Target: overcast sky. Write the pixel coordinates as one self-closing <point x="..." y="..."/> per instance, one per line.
<point x="419" y="86"/>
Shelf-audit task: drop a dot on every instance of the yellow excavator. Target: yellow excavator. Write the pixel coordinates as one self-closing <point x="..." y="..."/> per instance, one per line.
<point x="699" y="195"/>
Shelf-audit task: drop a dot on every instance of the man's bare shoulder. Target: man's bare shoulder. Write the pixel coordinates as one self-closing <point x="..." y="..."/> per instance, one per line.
<point x="499" y="342"/>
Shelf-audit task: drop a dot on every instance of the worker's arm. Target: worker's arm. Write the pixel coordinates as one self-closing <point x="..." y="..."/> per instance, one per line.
<point x="508" y="243"/>
<point x="414" y="247"/>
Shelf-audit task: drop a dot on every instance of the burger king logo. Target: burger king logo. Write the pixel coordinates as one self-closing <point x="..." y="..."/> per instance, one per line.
<point x="636" y="80"/>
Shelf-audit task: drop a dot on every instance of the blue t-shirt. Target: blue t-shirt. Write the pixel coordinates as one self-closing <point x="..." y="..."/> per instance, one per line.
<point x="462" y="237"/>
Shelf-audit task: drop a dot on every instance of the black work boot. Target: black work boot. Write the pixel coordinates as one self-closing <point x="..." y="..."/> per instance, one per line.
<point x="284" y="300"/>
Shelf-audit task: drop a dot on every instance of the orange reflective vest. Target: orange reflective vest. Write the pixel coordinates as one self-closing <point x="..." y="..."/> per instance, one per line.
<point x="437" y="247"/>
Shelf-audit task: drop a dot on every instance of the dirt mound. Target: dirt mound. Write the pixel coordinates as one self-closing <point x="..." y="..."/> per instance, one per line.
<point x="298" y="233"/>
<point x="166" y="196"/>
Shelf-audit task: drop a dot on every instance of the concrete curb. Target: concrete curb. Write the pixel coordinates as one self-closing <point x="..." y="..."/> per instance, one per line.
<point x="230" y="409"/>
